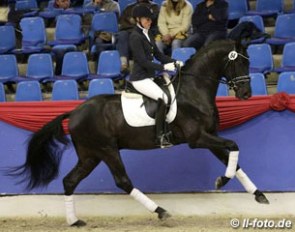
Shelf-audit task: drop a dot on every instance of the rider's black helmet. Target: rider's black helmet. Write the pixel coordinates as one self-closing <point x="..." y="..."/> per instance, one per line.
<point x="142" y="11"/>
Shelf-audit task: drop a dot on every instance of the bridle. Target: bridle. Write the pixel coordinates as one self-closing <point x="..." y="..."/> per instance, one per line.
<point x="233" y="82"/>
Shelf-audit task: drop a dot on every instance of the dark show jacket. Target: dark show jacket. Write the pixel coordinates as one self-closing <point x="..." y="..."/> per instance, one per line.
<point x="144" y="52"/>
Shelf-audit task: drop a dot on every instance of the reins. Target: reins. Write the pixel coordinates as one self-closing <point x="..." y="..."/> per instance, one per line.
<point x="178" y="74"/>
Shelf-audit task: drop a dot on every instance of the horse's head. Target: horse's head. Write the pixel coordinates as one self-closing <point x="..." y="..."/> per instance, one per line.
<point x="236" y="71"/>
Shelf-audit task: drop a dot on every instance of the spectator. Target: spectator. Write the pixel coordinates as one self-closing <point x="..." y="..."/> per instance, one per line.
<point x="174" y="22"/>
<point x="103" y="40"/>
<point x="127" y="23"/>
<point x="3" y="12"/>
<point x="105" y="5"/>
<point x="209" y="22"/>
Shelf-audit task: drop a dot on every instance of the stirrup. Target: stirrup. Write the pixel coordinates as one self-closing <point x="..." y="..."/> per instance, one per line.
<point x="164" y="141"/>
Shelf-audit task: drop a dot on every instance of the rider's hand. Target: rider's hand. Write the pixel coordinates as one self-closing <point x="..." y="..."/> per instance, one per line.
<point x="179" y="63"/>
<point x="170" y="67"/>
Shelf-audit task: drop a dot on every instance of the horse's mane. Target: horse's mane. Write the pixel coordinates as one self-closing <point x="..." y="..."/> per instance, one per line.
<point x="213" y="47"/>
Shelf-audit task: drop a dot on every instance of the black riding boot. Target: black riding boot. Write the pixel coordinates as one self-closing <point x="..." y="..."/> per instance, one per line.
<point x="161" y="127"/>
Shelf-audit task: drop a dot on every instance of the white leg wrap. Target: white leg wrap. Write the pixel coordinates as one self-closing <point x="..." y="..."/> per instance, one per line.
<point x="70" y="210"/>
<point x="144" y="200"/>
<point x="245" y="181"/>
<point x="232" y="164"/>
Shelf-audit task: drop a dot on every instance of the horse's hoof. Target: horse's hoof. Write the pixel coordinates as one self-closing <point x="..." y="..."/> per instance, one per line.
<point x="162" y="213"/>
<point x="221" y="181"/>
<point x="260" y="197"/>
<point x="79" y="223"/>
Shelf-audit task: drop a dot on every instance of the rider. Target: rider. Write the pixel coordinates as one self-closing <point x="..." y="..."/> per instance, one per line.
<point x="144" y="51"/>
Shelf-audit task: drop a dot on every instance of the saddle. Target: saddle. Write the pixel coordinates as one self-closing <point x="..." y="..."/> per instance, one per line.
<point x="139" y="110"/>
<point x="150" y="104"/>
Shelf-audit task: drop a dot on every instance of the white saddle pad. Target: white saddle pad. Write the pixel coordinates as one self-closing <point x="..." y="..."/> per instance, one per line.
<point x="135" y="113"/>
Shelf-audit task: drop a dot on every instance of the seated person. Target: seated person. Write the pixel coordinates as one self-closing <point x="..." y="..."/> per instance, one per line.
<point x="174" y="22"/>
<point x="209" y="22"/>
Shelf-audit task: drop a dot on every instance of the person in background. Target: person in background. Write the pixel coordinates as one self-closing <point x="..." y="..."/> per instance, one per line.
<point x="174" y="22"/>
<point x="127" y="23"/>
<point x="103" y="40"/>
<point x="105" y="6"/>
<point x="144" y="50"/>
<point x="209" y="21"/>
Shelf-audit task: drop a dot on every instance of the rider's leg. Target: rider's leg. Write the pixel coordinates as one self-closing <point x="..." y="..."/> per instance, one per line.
<point x="152" y="90"/>
<point x="161" y="130"/>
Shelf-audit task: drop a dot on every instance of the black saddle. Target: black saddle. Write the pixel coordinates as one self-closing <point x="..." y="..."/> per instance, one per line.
<point x="149" y="103"/>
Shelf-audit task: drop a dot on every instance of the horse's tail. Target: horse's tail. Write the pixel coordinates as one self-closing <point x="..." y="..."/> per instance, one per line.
<point x="43" y="155"/>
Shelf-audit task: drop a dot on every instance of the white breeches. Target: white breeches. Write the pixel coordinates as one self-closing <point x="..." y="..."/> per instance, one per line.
<point x="149" y="88"/>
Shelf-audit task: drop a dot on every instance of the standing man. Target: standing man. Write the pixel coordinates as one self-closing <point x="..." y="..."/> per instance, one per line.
<point x="209" y="22"/>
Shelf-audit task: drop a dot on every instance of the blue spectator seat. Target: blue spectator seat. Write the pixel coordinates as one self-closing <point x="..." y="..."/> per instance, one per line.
<point x="9" y="68"/>
<point x="268" y="8"/>
<point x="237" y="9"/>
<point x="7" y="39"/>
<point x="100" y="86"/>
<point x="124" y="3"/>
<point x="28" y="91"/>
<point x="50" y="12"/>
<point x="65" y="90"/>
<point x="75" y="66"/>
<point x="222" y="90"/>
<point x="258" y="84"/>
<point x="109" y="65"/>
<point x="26" y="5"/>
<point x="2" y="93"/>
<point x="195" y="2"/>
<point x="288" y="59"/>
<point x="286" y="82"/>
<point x="40" y="67"/>
<point x="183" y="54"/>
<point x="284" y="30"/>
<point x="106" y="22"/>
<point x="261" y="59"/>
<point x="68" y="30"/>
<point x="33" y="35"/>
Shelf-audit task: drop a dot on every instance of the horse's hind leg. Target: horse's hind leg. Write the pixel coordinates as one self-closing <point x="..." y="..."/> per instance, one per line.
<point x="116" y="166"/>
<point x="222" y="155"/>
<point x="83" y="168"/>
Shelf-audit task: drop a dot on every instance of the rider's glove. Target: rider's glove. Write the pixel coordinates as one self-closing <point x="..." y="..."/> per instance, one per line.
<point x="170" y="67"/>
<point x="179" y="63"/>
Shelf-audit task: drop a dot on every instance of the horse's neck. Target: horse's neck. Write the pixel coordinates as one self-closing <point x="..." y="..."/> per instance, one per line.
<point x="198" y="84"/>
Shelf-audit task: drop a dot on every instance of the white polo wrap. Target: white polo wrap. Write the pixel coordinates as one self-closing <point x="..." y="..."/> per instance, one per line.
<point x="245" y="181"/>
<point x="232" y="164"/>
<point x="144" y="200"/>
<point x="70" y="210"/>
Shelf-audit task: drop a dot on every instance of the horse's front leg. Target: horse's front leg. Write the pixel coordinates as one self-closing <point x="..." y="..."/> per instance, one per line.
<point x="210" y="141"/>
<point x="243" y="178"/>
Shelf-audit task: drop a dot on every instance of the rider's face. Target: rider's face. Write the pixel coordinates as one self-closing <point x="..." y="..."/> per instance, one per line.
<point x="146" y="22"/>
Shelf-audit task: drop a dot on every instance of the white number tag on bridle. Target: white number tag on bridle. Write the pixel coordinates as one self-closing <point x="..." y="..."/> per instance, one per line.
<point x="232" y="55"/>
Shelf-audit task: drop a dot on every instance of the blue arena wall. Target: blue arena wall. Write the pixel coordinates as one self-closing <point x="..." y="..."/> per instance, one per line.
<point x="267" y="155"/>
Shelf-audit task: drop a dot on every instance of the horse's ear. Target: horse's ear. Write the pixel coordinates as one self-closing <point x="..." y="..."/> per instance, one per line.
<point x="241" y="44"/>
<point x="238" y="44"/>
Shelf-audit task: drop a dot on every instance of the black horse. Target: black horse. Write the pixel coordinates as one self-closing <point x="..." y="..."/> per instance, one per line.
<point x="98" y="129"/>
